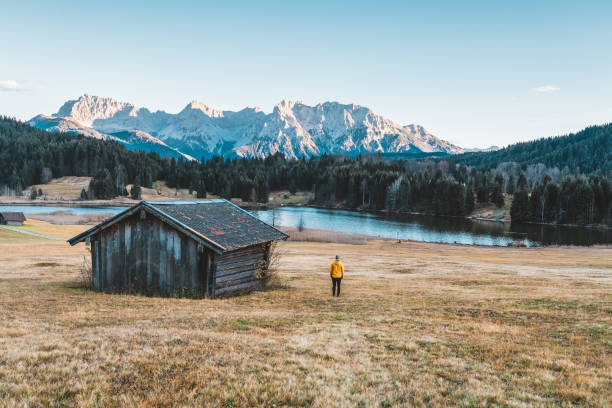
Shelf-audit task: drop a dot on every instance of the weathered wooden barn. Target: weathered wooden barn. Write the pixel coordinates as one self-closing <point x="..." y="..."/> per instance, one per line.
<point x="12" y="218"/>
<point x="180" y="248"/>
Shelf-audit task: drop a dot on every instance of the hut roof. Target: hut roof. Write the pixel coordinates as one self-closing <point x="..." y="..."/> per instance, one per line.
<point x="13" y="216"/>
<point x="218" y="224"/>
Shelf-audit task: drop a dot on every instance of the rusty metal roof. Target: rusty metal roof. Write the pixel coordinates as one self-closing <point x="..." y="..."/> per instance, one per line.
<point x="218" y="224"/>
<point x="220" y="221"/>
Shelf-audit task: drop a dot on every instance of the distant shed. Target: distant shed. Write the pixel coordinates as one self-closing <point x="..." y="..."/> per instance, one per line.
<point x="12" y="218"/>
<point x="180" y="248"/>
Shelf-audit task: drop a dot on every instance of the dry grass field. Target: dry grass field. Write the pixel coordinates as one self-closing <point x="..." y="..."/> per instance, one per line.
<point x="69" y="189"/>
<point x="416" y="325"/>
<point x="491" y="211"/>
<point x="66" y="188"/>
<point x="52" y="230"/>
<point x="284" y="197"/>
<point x="316" y="235"/>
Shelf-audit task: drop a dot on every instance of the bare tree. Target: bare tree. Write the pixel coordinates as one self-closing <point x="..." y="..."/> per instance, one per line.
<point x="85" y="274"/>
<point x="268" y="270"/>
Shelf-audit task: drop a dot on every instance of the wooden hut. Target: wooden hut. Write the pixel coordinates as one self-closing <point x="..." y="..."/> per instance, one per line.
<point x="12" y="218"/>
<point x="180" y="248"/>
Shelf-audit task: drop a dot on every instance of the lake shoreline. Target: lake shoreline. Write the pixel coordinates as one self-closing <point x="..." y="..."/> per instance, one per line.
<point x="260" y="206"/>
<point x="402" y="225"/>
<point x="322" y="236"/>
<point x="308" y="234"/>
<point x="69" y="203"/>
<point x="465" y="217"/>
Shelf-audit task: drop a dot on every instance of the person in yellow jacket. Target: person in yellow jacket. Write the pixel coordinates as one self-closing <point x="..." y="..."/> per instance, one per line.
<point x="336" y="271"/>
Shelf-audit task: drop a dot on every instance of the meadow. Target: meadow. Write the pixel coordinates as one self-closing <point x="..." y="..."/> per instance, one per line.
<point x="416" y="325"/>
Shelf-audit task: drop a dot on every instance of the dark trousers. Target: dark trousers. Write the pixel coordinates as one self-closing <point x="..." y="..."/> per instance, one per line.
<point x="336" y="284"/>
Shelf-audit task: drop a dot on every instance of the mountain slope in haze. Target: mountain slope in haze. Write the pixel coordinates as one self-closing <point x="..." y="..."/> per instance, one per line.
<point x="65" y="124"/>
<point x="131" y="139"/>
<point x="292" y="128"/>
<point x="588" y="150"/>
<point x="137" y="140"/>
<point x="479" y="149"/>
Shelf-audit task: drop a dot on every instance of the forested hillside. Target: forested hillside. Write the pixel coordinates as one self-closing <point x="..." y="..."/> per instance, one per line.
<point x="30" y="156"/>
<point x="589" y="150"/>
<point x="435" y="187"/>
<point x="542" y="194"/>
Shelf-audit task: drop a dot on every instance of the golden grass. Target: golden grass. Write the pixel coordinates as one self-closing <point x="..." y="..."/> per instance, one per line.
<point x="67" y="188"/>
<point x="316" y="235"/>
<point x="284" y="197"/>
<point x="491" y="211"/>
<point x="162" y="192"/>
<point x="417" y="325"/>
<point x="52" y="230"/>
<point x="70" y="218"/>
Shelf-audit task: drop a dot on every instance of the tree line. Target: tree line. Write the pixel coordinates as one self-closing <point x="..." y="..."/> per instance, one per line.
<point x="29" y="156"/>
<point x="587" y="151"/>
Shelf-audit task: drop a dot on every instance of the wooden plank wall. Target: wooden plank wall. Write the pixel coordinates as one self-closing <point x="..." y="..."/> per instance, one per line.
<point x="236" y="270"/>
<point x="145" y="255"/>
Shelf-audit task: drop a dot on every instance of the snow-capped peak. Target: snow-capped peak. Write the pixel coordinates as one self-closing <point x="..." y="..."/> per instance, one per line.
<point x="89" y="108"/>
<point x="292" y="128"/>
<point x="284" y="106"/>
<point x="207" y="110"/>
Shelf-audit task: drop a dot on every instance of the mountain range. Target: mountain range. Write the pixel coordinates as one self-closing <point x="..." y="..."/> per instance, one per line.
<point x="292" y="128"/>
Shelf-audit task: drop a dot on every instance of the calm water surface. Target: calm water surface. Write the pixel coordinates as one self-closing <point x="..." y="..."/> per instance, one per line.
<point x="414" y="227"/>
<point x="435" y="229"/>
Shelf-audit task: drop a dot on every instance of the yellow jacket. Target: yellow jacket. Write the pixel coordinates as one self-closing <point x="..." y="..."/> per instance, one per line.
<point x="336" y="270"/>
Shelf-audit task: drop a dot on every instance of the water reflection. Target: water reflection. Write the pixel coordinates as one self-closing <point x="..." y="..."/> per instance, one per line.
<point x="404" y="226"/>
<point x="434" y="229"/>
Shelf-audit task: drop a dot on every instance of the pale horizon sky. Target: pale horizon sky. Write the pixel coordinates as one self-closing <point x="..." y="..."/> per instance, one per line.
<point x="475" y="73"/>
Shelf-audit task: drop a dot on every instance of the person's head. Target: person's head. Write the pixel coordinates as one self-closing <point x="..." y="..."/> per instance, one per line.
<point x="337" y="257"/>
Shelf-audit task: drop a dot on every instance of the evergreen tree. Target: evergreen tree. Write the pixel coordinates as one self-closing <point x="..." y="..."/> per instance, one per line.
<point x="201" y="189"/>
<point x="519" y="211"/>
<point x="135" y="192"/>
<point x="522" y="182"/>
<point x="497" y="197"/>
<point x="469" y="201"/>
<point x="29" y="156"/>
<point x="292" y="187"/>
<point x="108" y="186"/>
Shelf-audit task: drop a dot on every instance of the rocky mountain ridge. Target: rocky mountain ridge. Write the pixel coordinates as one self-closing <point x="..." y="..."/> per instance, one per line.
<point x="292" y="128"/>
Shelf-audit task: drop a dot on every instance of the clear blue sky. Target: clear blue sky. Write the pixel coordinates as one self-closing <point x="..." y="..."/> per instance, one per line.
<point x="475" y="73"/>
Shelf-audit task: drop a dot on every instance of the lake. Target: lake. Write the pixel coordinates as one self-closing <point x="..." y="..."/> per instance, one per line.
<point x="403" y="226"/>
<point x="435" y="229"/>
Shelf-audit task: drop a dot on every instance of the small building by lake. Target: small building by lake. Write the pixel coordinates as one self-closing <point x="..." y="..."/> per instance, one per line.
<point x="180" y="248"/>
<point x="12" y="218"/>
